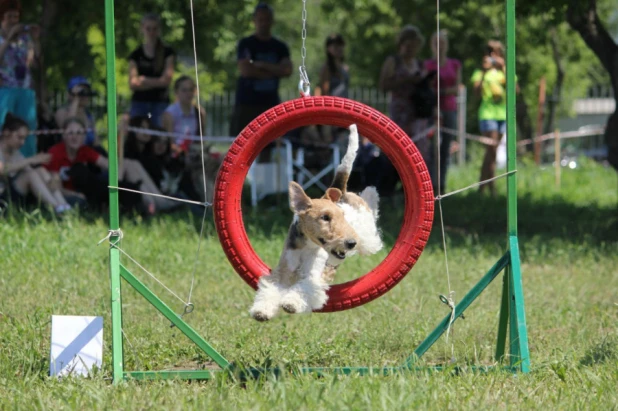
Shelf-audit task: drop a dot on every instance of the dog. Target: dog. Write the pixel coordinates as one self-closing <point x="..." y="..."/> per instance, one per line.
<point x="361" y="211"/>
<point x="319" y="231"/>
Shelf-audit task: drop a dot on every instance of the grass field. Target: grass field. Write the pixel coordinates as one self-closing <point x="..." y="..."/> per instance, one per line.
<point x="569" y="246"/>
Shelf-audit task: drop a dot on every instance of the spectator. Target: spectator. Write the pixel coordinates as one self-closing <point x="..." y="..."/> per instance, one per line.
<point x="151" y="69"/>
<point x="137" y="144"/>
<point x="334" y="81"/>
<point x="489" y="85"/>
<point x="168" y="171"/>
<point x="334" y="74"/>
<point x="262" y="61"/>
<point x="71" y="159"/>
<point x="400" y="75"/>
<point x="80" y="92"/>
<point x="182" y="116"/>
<point x="450" y="79"/>
<point x="20" y="50"/>
<point x="21" y="176"/>
<point x="47" y="125"/>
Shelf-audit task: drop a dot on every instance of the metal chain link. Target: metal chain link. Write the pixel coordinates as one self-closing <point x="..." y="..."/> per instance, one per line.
<point x="304" y="86"/>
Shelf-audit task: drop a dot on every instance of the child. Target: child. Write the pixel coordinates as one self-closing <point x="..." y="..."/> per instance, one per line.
<point x="71" y="159"/>
<point x="20" y="176"/>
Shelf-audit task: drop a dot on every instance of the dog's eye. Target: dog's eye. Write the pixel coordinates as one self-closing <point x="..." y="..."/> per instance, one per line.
<point x="325" y="217"/>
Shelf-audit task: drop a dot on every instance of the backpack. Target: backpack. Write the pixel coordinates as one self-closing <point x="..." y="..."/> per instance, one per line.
<point x="424" y="98"/>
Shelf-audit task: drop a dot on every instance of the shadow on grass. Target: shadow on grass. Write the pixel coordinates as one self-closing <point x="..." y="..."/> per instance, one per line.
<point x="467" y="217"/>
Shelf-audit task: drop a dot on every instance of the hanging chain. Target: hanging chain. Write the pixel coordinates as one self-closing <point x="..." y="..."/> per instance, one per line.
<point x="304" y="86"/>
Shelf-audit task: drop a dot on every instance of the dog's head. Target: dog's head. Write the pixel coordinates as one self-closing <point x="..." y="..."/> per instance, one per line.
<point x="323" y="222"/>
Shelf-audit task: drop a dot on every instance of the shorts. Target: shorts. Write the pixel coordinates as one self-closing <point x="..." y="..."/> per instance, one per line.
<point x="10" y="194"/>
<point x="492" y="125"/>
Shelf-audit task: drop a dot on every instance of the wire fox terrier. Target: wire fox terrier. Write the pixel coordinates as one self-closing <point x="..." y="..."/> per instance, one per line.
<point x="323" y="233"/>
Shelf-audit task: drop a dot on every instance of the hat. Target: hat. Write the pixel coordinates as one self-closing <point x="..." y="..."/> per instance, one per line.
<point x="78" y="81"/>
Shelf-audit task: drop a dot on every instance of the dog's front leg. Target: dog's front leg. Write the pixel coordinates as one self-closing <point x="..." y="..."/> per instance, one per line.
<point x="267" y="299"/>
<point x="309" y="293"/>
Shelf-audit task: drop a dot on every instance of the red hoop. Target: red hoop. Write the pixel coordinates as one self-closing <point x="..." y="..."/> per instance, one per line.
<point x="419" y="204"/>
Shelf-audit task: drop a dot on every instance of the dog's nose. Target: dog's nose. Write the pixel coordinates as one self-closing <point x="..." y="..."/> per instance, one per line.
<point x="350" y="244"/>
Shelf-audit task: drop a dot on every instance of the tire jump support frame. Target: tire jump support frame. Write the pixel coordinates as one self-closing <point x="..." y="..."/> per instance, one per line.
<point x="512" y="323"/>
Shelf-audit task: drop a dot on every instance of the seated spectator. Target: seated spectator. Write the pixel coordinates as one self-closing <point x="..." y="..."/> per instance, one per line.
<point x="151" y="69"/>
<point x="21" y="176"/>
<point x="182" y="116"/>
<point x="168" y="170"/>
<point x="47" y="125"/>
<point x="20" y="50"/>
<point x="71" y="159"/>
<point x="80" y="93"/>
<point x="136" y="144"/>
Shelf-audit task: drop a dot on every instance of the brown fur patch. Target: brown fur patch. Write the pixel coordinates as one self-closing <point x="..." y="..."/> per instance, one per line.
<point x="340" y="181"/>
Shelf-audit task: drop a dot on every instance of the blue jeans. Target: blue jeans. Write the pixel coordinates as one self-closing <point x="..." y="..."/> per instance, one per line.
<point x="20" y="102"/>
<point x="151" y="109"/>
<point x="492" y="125"/>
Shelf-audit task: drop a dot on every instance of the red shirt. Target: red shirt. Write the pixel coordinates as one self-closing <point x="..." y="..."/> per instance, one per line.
<point x="61" y="163"/>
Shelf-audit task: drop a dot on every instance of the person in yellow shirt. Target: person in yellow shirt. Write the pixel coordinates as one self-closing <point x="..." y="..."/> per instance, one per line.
<point x="490" y="85"/>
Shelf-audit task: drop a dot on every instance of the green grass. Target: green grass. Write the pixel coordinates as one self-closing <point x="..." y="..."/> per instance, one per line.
<point x="569" y="244"/>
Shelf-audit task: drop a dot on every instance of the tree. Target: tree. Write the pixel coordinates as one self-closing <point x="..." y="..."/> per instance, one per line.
<point x="74" y="42"/>
<point x="582" y="15"/>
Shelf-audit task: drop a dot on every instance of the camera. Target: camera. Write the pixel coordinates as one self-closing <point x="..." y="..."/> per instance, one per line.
<point x="84" y="92"/>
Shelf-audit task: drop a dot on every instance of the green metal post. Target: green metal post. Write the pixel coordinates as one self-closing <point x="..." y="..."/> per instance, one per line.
<point x="520" y="354"/>
<point x="459" y="309"/>
<point x="511" y="143"/>
<point x="114" y="220"/>
<point x="518" y="334"/>
<point x="504" y="314"/>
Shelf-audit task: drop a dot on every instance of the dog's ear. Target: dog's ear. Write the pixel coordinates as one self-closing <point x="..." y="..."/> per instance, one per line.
<point x="299" y="201"/>
<point x="333" y="194"/>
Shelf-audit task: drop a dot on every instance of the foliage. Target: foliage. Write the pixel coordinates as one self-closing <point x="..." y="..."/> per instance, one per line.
<point x="370" y="27"/>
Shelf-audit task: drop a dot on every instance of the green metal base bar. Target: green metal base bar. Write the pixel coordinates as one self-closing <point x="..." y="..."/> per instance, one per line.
<point x="519" y="359"/>
<point x="255" y="373"/>
<point x="459" y="309"/>
<point x="173" y="317"/>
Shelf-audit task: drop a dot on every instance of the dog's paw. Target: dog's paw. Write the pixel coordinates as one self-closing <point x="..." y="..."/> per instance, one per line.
<point x="289" y="308"/>
<point x="293" y="303"/>
<point x="263" y="310"/>
<point x="260" y="316"/>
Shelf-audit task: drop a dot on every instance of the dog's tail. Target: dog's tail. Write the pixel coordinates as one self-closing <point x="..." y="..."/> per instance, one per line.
<point x="345" y="168"/>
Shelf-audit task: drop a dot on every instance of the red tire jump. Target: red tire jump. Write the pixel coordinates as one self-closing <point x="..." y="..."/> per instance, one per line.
<point x="340" y="112"/>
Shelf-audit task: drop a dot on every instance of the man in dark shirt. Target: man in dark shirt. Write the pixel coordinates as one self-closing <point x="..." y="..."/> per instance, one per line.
<point x="262" y="61"/>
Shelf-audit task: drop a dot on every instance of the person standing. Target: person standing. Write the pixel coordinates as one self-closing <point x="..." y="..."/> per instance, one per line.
<point x="20" y="50"/>
<point x="450" y="79"/>
<point x="262" y="61"/>
<point x="401" y="74"/>
<point x="151" y="69"/>
<point x="490" y="86"/>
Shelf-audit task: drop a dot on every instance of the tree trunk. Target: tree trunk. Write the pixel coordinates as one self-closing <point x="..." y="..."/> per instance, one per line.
<point x="554" y="100"/>
<point x="582" y="16"/>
